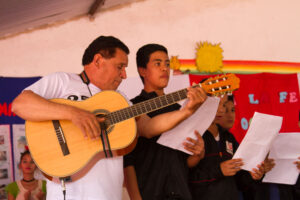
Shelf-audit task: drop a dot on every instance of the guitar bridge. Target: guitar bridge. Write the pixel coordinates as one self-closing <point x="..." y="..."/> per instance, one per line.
<point x="61" y="138"/>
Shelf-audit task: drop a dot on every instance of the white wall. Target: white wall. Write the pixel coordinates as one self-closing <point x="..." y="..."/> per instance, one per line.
<point x="247" y="30"/>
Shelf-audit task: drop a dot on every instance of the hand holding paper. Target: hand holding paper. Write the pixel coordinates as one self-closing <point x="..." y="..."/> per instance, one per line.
<point x="199" y="121"/>
<point x="285" y="150"/>
<point x="257" y="142"/>
<point x="268" y="164"/>
<point x="195" y="146"/>
<point x="257" y="173"/>
<point x="231" y="167"/>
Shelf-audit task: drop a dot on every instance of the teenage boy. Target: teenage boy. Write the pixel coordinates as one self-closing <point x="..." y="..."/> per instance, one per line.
<point x="154" y="171"/>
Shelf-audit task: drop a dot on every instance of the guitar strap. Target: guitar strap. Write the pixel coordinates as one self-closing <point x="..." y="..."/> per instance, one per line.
<point x="104" y="135"/>
<point x="105" y="141"/>
<point x="85" y="79"/>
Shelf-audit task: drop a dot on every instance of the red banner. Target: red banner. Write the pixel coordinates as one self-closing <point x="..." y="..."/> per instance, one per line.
<point x="276" y="94"/>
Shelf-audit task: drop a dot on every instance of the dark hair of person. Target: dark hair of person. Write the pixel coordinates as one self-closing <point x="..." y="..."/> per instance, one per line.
<point x="202" y="81"/>
<point x="144" y="53"/>
<point x="106" y="46"/>
<point x="27" y="152"/>
<point x="230" y="98"/>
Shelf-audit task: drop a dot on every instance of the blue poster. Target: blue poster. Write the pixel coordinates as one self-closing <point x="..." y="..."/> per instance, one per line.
<point x="10" y="88"/>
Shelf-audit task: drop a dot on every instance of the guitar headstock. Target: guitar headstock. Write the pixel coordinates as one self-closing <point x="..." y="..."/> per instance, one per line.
<point x="220" y="85"/>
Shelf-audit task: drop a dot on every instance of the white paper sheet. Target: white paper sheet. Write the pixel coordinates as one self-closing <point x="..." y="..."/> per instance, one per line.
<point x="257" y="142"/>
<point x="285" y="150"/>
<point x="199" y="121"/>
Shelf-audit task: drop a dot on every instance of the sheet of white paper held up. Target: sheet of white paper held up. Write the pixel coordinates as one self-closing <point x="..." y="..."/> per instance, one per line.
<point x="199" y="121"/>
<point x="284" y="150"/>
<point x="257" y="142"/>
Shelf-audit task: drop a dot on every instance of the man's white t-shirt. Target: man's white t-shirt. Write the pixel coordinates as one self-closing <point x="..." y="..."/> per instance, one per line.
<point x="104" y="181"/>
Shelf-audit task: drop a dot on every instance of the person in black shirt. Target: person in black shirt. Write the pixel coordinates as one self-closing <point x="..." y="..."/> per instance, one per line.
<point x="154" y="171"/>
<point x="217" y="176"/>
<point x="260" y="190"/>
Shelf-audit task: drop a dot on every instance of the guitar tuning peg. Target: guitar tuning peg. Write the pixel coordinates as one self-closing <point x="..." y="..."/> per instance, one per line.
<point x="215" y="94"/>
<point x="219" y="94"/>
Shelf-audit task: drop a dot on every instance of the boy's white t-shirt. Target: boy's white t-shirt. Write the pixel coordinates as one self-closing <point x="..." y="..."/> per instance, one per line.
<point x="105" y="180"/>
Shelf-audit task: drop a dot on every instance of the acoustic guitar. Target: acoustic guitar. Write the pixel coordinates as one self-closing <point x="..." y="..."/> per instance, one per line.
<point x="59" y="148"/>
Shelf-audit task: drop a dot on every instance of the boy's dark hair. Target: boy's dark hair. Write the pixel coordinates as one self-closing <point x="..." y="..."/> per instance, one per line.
<point x="106" y="46"/>
<point x="230" y="98"/>
<point x="144" y="53"/>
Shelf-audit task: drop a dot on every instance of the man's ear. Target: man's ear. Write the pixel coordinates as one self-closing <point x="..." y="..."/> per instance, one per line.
<point x="142" y="71"/>
<point x="97" y="59"/>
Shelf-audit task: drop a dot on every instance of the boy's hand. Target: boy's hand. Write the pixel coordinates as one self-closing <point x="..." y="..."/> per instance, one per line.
<point x="195" y="146"/>
<point x="231" y="167"/>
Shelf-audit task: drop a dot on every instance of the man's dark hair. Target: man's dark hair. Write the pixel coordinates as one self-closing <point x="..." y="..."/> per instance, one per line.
<point x="106" y="46"/>
<point x="144" y="53"/>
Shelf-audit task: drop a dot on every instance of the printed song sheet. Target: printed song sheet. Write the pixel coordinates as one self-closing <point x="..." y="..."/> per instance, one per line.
<point x="257" y="142"/>
<point x="199" y="121"/>
<point x="285" y="150"/>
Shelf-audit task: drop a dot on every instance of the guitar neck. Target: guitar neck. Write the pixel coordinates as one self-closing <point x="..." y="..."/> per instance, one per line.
<point x="146" y="106"/>
<point x="218" y="85"/>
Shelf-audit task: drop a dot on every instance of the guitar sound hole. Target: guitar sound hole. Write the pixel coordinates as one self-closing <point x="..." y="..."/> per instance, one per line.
<point x="100" y="115"/>
<point x="105" y="125"/>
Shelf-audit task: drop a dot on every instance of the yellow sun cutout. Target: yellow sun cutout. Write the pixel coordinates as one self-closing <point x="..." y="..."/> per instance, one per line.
<point x="209" y="57"/>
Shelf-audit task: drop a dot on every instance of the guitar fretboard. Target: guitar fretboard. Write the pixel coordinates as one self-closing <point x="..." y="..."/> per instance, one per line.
<point x="146" y="106"/>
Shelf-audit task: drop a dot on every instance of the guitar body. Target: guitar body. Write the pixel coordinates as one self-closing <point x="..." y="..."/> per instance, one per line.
<point x="83" y="152"/>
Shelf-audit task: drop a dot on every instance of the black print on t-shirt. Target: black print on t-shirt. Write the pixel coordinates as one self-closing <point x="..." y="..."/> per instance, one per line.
<point x="76" y="98"/>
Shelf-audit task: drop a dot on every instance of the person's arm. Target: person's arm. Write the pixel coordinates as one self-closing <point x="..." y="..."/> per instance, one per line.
<point x="41" y="195"/>
<point x="150" y="127"/>
<point x="131" y="183"/>
<point x="207" y="171"/>
<point x="197" y="148"/>
<point x="250" y="178"/>
<point x="193" y="160"/>
<point x="33" y="107"/>
<point x="27" y="195"/>
<point x="246" y="180"/>
<point x="10" y="197"/>
<point x="257" y="173"/>
<point x="265" y="166"/>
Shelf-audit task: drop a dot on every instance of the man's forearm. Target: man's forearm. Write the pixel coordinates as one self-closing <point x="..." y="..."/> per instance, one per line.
<point x="151" y="127"/>
<point x="33" y="107"/>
